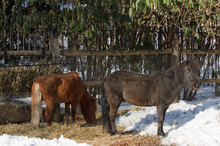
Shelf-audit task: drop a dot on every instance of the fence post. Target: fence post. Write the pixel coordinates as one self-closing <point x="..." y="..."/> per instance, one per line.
<point x="175" y="55"/>
<point x="55" y="49"/>
<point x="175" y="47"/>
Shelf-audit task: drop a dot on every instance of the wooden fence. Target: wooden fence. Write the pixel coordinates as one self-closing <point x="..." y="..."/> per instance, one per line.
<point x="105" y="53"/>
<point x="111" y="53"/>
<point x="53" y="51"/>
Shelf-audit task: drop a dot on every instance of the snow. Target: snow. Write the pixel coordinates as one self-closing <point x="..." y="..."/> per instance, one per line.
<point x="7" y="140"/>
<point x="187" y="123"/>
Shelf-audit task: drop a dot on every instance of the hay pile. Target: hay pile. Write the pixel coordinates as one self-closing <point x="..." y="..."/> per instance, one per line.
<point x="81" y="132"/>
<point x="14" y="111"/>
<point x="15" y="81"/>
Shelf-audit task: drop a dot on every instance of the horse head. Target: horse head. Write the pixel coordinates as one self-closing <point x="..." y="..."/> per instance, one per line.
<point x="89" y="111"/>
<point x="190" y="70"/>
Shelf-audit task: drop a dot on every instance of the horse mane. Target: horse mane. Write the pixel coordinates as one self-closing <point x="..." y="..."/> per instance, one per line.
<point x="177" y="70"/>
<point x="195" y="66"/>
<point x="133" y="72"/>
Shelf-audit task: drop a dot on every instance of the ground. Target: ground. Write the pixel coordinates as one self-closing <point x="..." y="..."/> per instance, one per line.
<point x="81" y="133"/>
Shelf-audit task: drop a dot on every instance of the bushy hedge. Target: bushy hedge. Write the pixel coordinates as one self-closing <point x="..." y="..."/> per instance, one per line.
<point x="15" y="81"/>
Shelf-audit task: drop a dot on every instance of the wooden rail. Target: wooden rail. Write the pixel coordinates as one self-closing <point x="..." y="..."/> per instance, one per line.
<point x="195" y="51"/>
<point x="25" y="53"/>
<point x="114" y="52"/>
<point x="105" y="53"/>
<point x="92" y="83"/>
<point x="210" y="80"/>
<point x="85" y="53"/>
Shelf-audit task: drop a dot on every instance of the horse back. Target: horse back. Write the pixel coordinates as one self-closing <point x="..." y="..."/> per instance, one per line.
<point x="61" y="87"/>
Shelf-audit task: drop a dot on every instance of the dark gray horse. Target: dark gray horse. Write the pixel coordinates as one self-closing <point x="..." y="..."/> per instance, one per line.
<point x="158" y="89"/>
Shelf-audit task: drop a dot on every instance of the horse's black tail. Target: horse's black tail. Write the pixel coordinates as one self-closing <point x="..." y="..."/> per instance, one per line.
<point x="105" y="107"/>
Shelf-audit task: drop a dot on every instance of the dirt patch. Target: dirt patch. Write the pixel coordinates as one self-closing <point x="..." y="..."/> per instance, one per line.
<point x="81" y="133"/>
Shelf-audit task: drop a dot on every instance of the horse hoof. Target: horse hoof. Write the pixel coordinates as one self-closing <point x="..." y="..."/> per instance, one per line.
<point x="35" y="127"/>
<point x="161" y="134"/>
<point x="114" y="133"/>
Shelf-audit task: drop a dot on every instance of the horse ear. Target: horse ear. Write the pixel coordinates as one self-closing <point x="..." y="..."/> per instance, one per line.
<point x="187" y="63"/>
<point x="195" y="66"/>
<point x="94" y="98"/>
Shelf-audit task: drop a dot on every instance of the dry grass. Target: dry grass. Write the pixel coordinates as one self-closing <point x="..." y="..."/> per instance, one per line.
<point x="80" y="132"/>
<point x="18" y="80"/>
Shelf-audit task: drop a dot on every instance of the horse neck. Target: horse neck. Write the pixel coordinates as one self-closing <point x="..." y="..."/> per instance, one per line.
<point x="87" y="99"/>
<point x="176" y="75"/>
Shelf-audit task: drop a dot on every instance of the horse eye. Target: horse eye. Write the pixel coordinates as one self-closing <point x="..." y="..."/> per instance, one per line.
<point x="188" y="69"/>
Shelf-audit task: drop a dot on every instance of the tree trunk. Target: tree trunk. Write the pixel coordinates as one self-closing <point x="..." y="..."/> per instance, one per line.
<point x="54" y="47"/>
<point x="175" y="55"/>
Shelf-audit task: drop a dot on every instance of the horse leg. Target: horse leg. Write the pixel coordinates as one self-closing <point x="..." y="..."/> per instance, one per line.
<point x="48" y="112"/>
<point x="73" y="110"/>
<point x="67" y="112"/>
<point x="112" y="116"/>
<point x="161" y="111"/>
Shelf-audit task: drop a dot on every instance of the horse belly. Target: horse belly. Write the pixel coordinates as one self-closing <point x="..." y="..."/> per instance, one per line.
<point x="139" y="100"/>
<point x="139" y="94"/>
<point x="62" y="100"/>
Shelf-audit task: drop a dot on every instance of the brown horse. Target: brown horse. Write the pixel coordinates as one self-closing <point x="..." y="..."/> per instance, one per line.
<point x="61" y="88"/>
<point x="158" y="89"/>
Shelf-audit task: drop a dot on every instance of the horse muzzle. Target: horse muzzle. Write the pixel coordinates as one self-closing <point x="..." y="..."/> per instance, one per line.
<point x="196" y="86"/>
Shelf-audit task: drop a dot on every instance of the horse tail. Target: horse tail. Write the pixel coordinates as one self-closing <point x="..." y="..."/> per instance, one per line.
<point x="36" y="99"/>
<point x="105" y="107"/>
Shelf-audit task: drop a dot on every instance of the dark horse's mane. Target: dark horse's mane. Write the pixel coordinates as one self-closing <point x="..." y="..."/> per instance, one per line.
<point x="195" y="67"/>
<point x="177" y="70"/>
